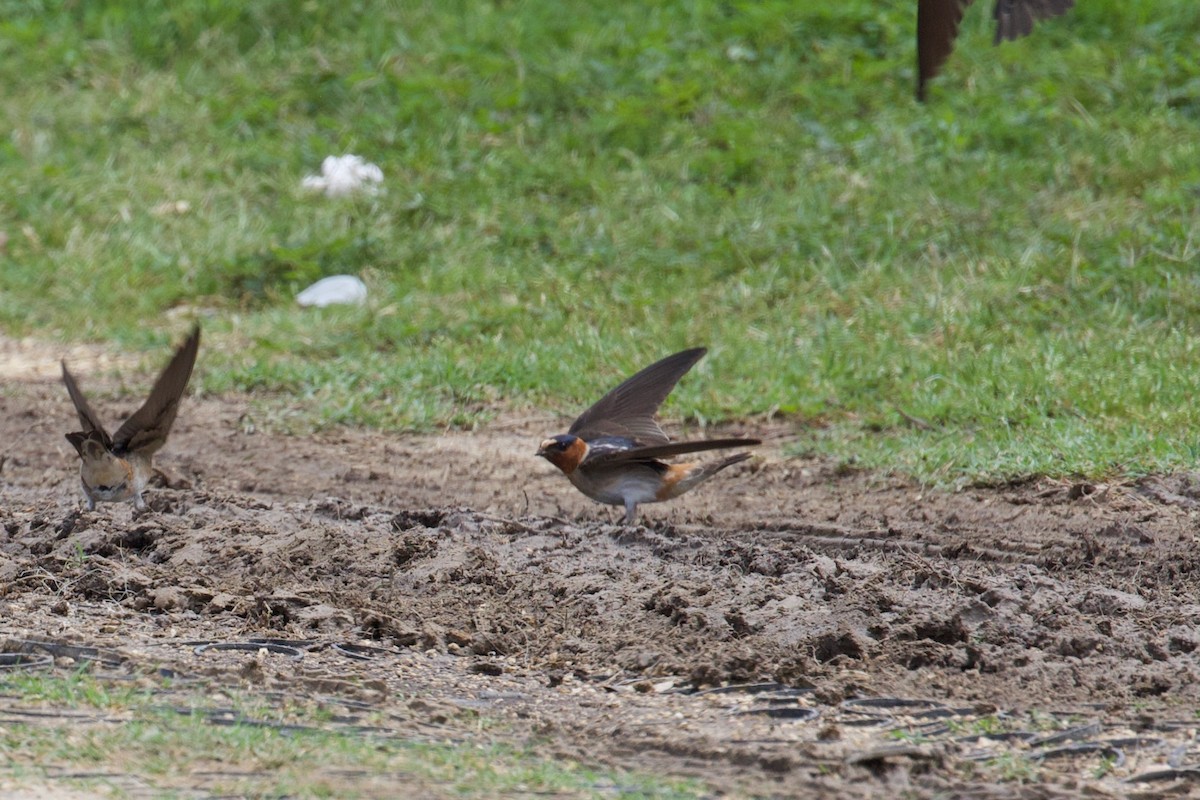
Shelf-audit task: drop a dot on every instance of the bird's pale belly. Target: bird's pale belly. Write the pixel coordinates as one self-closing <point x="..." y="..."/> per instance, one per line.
<point x="617" y="487"/>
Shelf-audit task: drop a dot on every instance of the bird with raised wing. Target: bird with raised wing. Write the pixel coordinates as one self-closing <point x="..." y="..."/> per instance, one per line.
<point x="612" y="452"/>
<point x="938" y="20"/>
<point x="116" y="468"/>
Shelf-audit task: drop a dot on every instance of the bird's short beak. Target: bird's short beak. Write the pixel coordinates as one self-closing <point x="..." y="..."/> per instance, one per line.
<point x="544" y="447"/>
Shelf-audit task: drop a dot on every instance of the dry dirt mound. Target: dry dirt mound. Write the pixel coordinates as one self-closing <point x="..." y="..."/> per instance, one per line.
<point x="877" y="636"/>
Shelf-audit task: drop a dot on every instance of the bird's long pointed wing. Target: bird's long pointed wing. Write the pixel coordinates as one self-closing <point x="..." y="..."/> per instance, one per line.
<point x="666" y="450"/>
<point x="629" y="409"/>
<point x="937" y="28"/>
<point x="146" y="430"/>
<point x="87" y="418"/>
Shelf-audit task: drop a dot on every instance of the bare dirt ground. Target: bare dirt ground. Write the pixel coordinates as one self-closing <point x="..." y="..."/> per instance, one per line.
<point x="789" y="629"/>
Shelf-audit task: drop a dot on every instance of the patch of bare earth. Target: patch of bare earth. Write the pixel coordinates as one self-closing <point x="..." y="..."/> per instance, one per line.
<point x="787" y="629"/>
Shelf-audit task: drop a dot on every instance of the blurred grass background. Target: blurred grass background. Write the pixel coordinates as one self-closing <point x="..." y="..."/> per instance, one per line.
<point x="1003" y="282"/>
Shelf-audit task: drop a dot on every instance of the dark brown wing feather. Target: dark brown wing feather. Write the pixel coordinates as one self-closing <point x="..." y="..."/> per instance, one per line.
<point x="1015" y="18"/>
<point x="629" y="409"/>
<point x="666" y="450"/>
<point x="87" y="418"/>
<point x="937" y="28"/>
<point x="146" y="431"/>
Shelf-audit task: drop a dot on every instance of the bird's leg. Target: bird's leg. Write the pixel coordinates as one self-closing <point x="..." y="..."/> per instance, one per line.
<point x="630" y="511"/>
<point x="139" y="504"/>
<point x="87" y="495"/>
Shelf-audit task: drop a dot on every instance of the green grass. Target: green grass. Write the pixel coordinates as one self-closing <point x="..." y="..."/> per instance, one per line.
<point x="574" y="189"/>
<point x="175" y="752"/>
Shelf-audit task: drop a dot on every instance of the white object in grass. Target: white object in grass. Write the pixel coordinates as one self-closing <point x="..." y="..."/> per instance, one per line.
<point x="334" y="290"/>
<point x="345" y="175"/>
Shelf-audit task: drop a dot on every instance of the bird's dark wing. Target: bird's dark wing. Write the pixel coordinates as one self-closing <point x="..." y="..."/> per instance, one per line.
<point x="87" y="418"/>
<point x="937" y="28"/>
<point x="628" y="410"/>
<point x="608" y="456"/>
<point x="1015" y="18"/>
<point x="146" y="431"/>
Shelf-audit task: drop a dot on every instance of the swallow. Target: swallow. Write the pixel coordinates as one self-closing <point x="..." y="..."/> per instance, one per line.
<point x="612" y="451"/>
<point x="937" y="28"/>
<point x="116" y="468"/>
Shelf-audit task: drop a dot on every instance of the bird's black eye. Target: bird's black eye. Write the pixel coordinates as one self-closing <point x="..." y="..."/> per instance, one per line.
<point x="560" y="446"/>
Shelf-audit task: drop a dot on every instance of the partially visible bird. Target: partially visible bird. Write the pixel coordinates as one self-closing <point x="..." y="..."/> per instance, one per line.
<point x="937" y="28"/>
<point x="116" y="468"/>
<point x="612" y="451"/>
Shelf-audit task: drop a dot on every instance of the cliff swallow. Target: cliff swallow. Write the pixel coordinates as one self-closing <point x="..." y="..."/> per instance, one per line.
<point x="937" y="28"/>
<point x="611" y="452"/>
<point x="115" y="468"/>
